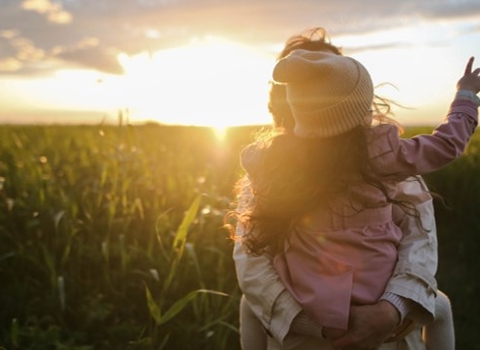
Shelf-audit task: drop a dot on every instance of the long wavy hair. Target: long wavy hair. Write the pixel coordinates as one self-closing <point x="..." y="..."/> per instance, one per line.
<point x="298" y="174"/>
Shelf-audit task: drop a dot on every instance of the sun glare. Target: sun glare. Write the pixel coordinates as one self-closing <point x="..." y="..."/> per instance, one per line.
<point x="220" y="132"/>
<point x="210" y="82"/>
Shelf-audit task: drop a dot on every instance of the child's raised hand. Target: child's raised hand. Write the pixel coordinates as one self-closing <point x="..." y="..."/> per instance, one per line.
<point x="470" y="80"/>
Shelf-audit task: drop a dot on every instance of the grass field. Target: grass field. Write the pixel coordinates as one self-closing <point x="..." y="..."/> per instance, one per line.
<point x="111" y="237"/>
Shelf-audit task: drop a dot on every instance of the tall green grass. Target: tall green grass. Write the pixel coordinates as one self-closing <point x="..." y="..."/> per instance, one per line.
<point x="111" y="237"/>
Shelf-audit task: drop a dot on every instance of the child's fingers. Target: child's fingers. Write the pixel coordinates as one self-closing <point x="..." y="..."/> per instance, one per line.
<point x="476" y="71"/>
<point x="468" y="68"/>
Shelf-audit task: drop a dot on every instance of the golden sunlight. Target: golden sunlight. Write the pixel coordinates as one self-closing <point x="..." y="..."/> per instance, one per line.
<point x="210" y="82"/>
<point x="388" y="60"/>
<point x="220" y="132"/>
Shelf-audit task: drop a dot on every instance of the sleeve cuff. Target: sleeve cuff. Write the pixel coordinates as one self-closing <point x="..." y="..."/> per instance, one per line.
<point x="284" y="312"/>
<point x="467" y="95"/>
<point x="403" y="305"/>
<point x="304" y="326"/>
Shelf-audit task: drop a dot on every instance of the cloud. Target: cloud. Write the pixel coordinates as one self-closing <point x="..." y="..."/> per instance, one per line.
<point x="40" y="35"/>
<point x="10" y="64"/>
<point x="449" y="9"/>
<point x="53" y="11"/>
<point x="99" y="58"/>
<point x="21" y="51"/>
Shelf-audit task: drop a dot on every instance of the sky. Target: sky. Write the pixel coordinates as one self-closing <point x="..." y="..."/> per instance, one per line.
<point x="209" y="62"/>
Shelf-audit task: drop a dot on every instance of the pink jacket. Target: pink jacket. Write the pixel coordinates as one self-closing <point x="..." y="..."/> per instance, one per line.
<point x="343" y="257"/>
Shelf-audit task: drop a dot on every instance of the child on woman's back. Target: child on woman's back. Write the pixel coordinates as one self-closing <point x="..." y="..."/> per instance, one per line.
<point x="323" y="196"/>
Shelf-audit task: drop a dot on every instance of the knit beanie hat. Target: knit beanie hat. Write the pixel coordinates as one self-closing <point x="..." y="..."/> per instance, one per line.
<point x="328" y="94"/>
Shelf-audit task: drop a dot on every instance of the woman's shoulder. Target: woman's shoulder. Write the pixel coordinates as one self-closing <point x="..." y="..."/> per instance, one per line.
<point x="251" y="156"/>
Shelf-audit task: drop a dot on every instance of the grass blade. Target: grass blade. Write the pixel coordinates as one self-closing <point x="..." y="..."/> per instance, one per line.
<point x="179" y="305"/>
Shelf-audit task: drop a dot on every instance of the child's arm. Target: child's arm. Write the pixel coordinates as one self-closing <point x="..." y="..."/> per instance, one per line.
<point x="424" y="154"/>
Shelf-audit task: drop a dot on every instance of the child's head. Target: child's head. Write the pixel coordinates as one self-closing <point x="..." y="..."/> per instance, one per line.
<point x="314" y="39"/>
<point x="328" y="94"/>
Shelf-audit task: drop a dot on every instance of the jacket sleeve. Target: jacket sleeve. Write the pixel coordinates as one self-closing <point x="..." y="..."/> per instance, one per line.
<point x="423" y="154"/>
<point x="265" y="293"/>
<point x="414" y="274"/>
<point x="259" y="281"/>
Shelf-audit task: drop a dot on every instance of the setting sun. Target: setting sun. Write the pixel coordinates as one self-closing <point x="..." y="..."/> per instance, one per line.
<point x="210" y="82"/>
